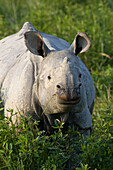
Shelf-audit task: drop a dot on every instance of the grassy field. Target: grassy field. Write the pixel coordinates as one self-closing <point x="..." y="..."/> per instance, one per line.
<point x="30" y="148"/>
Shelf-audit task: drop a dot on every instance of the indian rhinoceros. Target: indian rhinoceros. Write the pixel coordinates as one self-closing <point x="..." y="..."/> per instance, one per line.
<point x="42" y="76"/>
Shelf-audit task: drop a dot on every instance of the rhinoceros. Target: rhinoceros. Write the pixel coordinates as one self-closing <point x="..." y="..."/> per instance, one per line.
<point x="42" y="76"/>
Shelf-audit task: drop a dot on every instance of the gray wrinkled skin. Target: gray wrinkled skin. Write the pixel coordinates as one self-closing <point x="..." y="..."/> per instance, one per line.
<point x="35" y="66"/>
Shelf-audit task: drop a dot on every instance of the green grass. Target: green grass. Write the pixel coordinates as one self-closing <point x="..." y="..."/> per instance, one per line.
<point x="31" y="149"/>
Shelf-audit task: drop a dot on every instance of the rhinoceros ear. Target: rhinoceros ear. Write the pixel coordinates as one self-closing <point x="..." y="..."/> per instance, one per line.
<point x="81" y="43"/>
<point x="35" y="43"/>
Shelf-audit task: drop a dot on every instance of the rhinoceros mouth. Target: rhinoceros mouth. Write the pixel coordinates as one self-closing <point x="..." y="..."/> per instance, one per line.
<point x="68" y="102"/>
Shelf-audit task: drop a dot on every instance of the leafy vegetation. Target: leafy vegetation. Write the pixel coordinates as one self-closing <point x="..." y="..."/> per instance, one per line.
<point x="29" y="148"/>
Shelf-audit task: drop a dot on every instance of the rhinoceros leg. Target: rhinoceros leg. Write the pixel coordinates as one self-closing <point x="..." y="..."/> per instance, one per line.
<point x="84" y="121"/>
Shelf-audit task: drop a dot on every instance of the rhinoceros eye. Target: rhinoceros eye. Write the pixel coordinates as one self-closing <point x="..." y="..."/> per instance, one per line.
<point x="80" y="75"/>
<point x="49" y="77"/>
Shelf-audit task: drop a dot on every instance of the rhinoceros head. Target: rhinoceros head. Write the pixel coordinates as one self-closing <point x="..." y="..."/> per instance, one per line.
<point x="59" y="74"/>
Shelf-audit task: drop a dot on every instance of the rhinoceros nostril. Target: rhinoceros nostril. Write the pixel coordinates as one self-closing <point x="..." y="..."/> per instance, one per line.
<point x="60" y="89"/>
<point x="58" y="86"/>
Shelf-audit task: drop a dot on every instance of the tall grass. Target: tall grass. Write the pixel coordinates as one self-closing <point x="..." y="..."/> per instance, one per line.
<point x="32" y="149"/>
